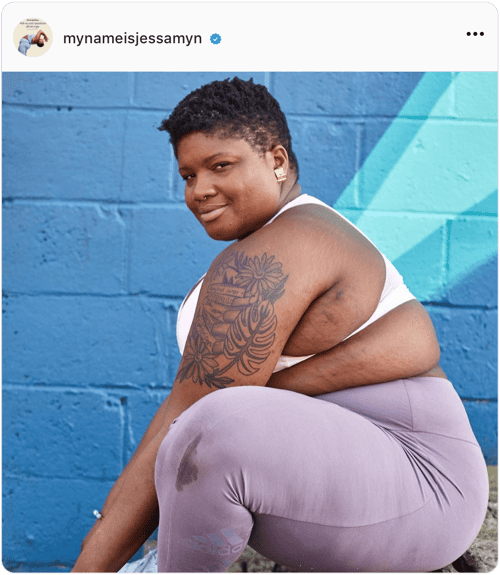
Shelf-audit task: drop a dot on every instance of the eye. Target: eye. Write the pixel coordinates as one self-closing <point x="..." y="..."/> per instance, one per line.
<point x="220" y="165"/>
<point x="187" y="177"/>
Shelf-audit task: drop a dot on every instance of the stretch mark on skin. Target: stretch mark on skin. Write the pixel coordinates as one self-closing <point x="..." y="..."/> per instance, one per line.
<point x="188" y="471"/>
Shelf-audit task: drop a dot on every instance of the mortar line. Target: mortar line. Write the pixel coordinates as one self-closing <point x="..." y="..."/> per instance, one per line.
<point x="127" y="205"/>
<point x="336" y="117"/>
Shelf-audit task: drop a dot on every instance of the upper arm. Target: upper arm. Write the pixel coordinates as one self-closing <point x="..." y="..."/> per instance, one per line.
<point x="252" y="298"/>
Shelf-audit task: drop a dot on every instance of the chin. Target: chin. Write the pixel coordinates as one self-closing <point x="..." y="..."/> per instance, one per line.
<point x="222" y="236"/>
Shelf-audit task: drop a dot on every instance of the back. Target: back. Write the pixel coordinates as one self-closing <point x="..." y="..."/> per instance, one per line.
<point x="342" y="272"/>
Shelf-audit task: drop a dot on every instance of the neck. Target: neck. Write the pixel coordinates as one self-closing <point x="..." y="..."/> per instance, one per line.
<point x="290" y="191"/>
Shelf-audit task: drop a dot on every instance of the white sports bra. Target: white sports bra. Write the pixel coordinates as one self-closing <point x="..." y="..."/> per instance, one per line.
<point x="394" y="293"/>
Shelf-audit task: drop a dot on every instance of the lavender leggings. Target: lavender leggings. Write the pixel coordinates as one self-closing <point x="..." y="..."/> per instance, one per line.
<point x="380" y="478"/>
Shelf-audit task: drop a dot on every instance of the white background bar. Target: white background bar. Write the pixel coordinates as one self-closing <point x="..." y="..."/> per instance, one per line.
<point x="277" y="36"/>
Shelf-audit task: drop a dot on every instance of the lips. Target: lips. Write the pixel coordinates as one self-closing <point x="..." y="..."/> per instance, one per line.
<point x="211" y="212"/>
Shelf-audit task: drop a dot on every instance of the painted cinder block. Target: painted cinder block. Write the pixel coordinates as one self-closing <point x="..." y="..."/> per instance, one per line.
<point x="328" y="94"/>
<point x="340" y="94"/>
<point x="433" y="96"/>
<point x="163" y="314"/>
<point x="149" y="165"/>
<point x="79" y="155"/>
<point x="177" y="186"/>
<point x="385" y="93"/>
<point x="478" y="286"/>
<point x="423" y="266"/>
<point x="141" y="407"/>
<point x="83" y="340"/>
<point x="414" y="243"/>
<point x="382" y="145"/>
<point x="74" y="89"/>
<point x="172" y="353"/>
<point x="63" y="248"/>
<point x="431" y="166"/>
<point x="170" y="250"/>
<point x="472" y="261"/>
<point x="62" y="433"/>
<point x="163" y="91"/>
<point x="326" y="152"/>
<point x="46" y="519"/>
<point x="476" y="95"/>
<point x="483" y="416"/>
<point x="485" y="207"/>
<point x="468" y="341"/>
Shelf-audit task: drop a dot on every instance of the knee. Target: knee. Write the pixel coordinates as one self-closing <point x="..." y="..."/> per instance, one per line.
<point x="219" y="411"/>
<point x="212" y="434"/>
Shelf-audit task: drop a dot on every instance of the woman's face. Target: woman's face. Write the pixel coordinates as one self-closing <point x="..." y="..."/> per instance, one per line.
<point x="230" y="187"/>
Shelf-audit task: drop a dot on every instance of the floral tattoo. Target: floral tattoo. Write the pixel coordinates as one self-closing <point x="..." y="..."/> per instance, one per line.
<point x="236" y="323"/>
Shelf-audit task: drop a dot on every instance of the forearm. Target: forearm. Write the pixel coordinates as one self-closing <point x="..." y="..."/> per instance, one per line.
<point x="152" y="431"/>
<point x="400" y="344"/>
<point x="130" y="512"/>
<point x="129" y="517"/>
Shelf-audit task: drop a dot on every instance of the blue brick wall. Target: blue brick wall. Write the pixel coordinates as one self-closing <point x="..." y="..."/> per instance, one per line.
<point x="99" y="250"/>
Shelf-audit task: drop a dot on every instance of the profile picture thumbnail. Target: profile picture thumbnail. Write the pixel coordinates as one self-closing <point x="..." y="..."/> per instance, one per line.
<point x="32" y="37"/>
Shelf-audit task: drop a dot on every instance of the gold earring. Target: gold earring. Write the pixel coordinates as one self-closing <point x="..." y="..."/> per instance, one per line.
<point x="280" y="174"/>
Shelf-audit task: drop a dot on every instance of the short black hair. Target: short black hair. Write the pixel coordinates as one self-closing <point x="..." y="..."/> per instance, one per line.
<point x="232" y="108"/>
<point x="40" y="44"/>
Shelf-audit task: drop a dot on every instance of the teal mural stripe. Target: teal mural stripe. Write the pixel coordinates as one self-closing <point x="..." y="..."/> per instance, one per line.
<point x="473" y="241"/>
<point x="470" y="269"/>
<point x="397" y="138"/>
<point x="487" y="206"/>
<point x="445" y="167"/>
<point x="433" y="265"/>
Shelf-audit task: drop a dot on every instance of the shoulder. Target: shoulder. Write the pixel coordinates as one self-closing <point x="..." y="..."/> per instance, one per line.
<point x="297" y="247"/>
<point x="311" y="234"/>
<point x="318" y="225"/>
<point x="321" y="217"/>
<point x="304" y="221"/>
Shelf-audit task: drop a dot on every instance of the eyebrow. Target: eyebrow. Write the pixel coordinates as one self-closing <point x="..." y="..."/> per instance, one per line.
<point x="208" y="160"/>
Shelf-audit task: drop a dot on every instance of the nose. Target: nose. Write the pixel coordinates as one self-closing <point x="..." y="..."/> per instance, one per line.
<point x="202" y="188"/>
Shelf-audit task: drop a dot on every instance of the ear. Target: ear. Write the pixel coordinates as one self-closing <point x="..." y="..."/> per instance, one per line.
<point x="280" y="157"/>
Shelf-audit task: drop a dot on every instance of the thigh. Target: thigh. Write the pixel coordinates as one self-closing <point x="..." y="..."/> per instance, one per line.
<point x="318" y="486"/>
<point x="405" y="486"/>
<point x="341" y="468"/>
<point x="314" y="461"/>
<point x="243" y="454"/>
